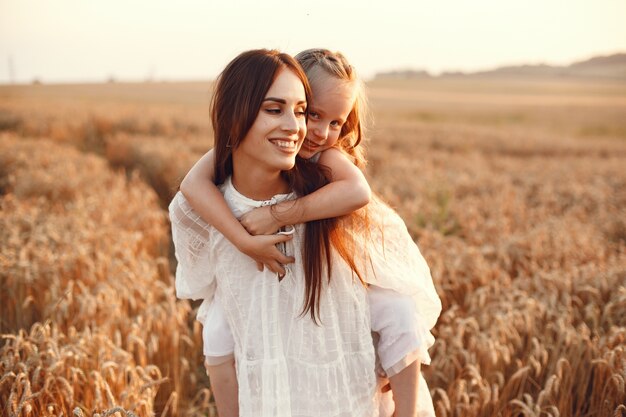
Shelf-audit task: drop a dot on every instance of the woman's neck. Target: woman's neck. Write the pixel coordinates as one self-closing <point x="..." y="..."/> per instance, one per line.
<point x="257" y="184"/>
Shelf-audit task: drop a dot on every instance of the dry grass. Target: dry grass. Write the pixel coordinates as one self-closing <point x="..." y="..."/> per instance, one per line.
<point x="522" y="220"/>
<point x="85" y="250"/>
<point x="152" y="158"/>
<point x="514" y="189"/>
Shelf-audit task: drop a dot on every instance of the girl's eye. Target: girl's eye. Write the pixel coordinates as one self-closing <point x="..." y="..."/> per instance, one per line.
<point x="300" y="113"/>
<point x="273" y="111"/>
<point x="335" y="123"/>
<point x="314" y="115"/>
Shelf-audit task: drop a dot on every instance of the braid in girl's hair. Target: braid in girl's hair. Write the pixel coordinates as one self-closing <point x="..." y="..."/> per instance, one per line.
<point x="334" y="64"/>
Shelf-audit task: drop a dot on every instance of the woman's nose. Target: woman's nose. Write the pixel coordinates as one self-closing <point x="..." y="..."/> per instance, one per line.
<point x="290" y="123"/>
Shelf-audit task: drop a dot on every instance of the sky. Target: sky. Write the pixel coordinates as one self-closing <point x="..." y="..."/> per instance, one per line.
<point x="136" y="40"/>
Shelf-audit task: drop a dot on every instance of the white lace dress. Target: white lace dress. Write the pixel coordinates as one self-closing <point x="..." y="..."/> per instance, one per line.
<point x="287" y="366"/>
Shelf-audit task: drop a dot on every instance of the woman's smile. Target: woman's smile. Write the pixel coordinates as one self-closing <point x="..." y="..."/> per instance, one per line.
<point x="274" y="138"/>
<point x="285" y="145"/>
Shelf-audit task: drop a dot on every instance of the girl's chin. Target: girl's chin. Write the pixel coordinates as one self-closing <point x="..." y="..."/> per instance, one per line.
<point x="305" y="154"/>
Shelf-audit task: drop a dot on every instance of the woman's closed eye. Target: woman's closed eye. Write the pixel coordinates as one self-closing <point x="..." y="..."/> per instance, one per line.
<point x="278" y="111"/>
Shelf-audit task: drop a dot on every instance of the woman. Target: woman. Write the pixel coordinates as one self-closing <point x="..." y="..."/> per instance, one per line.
<point x="303" y="345"/>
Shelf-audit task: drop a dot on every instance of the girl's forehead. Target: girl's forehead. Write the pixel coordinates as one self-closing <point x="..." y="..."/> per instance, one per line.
<point x="333" y="88"/>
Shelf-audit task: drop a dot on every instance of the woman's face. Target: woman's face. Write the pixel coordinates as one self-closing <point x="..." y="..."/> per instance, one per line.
<point x="279" y="128"/>
<point x="332" y="102"/>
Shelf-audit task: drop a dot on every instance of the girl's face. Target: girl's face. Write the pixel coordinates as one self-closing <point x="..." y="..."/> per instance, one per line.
<point x="332" y="102"/>
<point x="279" y="128"/>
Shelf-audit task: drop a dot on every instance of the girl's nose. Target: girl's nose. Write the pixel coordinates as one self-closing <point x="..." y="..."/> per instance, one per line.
<point x="321" y="132"/>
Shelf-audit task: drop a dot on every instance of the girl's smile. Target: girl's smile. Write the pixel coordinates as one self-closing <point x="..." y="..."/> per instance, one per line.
<point x="332" y="102"/>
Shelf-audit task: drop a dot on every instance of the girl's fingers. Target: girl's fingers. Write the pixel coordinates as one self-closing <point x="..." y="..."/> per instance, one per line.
<point x="281" y="258"/>
<point x="277" y="254"/>
<point x="276" y="268"/>
<point x="282" y="238"/>
<point x="286" y="259"/>
<point x="259" y="266"/>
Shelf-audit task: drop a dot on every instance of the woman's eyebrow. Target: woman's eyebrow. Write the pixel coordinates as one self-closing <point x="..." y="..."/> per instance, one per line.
<point x="280" y="100"/>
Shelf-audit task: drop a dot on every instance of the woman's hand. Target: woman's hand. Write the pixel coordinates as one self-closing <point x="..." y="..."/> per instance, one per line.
<point x="263" y="250"/>
<point x="260" y="221"/>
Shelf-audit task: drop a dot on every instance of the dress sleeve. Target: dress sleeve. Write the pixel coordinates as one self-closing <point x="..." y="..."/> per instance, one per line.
<point x="195" y="272"/>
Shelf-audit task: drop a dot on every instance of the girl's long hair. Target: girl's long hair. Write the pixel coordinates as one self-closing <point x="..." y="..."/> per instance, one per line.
<point x="239" y="93"/>
<point x="350" y="235"/>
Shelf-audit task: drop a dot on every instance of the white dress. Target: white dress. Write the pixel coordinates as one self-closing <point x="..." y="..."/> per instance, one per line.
<point x="404" y="304"/>
<point x="287" y="366"/>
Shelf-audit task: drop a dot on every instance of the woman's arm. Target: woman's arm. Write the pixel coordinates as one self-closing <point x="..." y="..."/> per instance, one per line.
<point x="207" y="200"/>
<point x="347" y="191"/>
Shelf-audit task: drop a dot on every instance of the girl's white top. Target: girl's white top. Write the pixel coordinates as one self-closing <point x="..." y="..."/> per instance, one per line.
<point x="287" y="366"/>
<point x="391" y="260"/>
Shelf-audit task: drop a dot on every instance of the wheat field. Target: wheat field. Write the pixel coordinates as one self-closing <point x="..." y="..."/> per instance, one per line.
<point x="514" y="190"/>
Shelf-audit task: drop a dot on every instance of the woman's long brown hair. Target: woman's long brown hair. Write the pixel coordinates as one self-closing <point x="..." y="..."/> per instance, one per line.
<point x="321" y="235"/>
<point x="238" y="96"/>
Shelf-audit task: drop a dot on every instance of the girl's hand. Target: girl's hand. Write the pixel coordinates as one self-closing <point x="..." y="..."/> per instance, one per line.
<point x="260" y="221"/>
<point x="263" y="250"/>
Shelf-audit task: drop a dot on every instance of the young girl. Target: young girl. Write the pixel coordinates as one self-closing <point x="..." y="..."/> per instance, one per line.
<point x="403" y="302"/>
<point x="287" y="363"/>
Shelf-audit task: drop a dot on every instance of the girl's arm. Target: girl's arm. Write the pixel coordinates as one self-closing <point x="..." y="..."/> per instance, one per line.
<point x="347" y="191"/>
<point x="225" y="387"/>
<point x="207" y="200"/>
